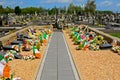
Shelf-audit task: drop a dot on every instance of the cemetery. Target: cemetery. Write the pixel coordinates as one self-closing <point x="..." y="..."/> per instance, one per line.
<point x="32" y="51"/>
<point x="92" y="52"/>
<point x="32" y="46"/>
<point x="59" y="40"/>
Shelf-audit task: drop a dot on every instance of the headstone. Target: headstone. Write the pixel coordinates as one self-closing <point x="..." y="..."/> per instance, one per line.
<point x="18" y="56"/>
<point x="105" y="46"/>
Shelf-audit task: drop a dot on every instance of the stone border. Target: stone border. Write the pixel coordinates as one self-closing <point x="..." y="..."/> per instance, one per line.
<point x="12" y="36"/>
<point x="107" y="37"/>
<point x="41" y="64"/>
<point x="75" y="71"/>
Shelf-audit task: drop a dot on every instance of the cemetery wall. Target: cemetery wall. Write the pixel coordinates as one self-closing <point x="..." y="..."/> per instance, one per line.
<point x="111" y="31"/>
<point x="107" y="37"/>
<point x="12" y="36"/>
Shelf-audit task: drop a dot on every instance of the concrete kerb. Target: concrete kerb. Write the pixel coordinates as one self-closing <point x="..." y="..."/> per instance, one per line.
<point x="41" y="66"/>
<point x="75" y="71"/>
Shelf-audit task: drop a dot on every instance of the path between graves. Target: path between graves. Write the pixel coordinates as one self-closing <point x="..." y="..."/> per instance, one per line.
<point x="57" y="63"/>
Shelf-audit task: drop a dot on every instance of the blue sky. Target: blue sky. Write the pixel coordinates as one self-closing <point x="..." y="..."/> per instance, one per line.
<point x="113" y="5"/>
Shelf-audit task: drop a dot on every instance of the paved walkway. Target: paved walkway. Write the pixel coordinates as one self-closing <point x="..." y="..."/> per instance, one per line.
<point x="56" y="64"/>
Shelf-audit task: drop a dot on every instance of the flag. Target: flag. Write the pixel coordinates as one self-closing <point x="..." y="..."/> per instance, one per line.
<point x="9" y="56"/>
<point x="78" y="38"/>
<point x="38" y="46"/>
<point x="5" y="70"/>
<point x="83" y="43"/>
<point x="44" y="35"/>
<point x="41" y="38"/>
<point x="36" y="52"/>
<point x="3" y="60"/>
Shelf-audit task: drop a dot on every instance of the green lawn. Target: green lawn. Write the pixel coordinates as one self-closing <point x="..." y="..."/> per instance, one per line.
<point x="115" y="34"/>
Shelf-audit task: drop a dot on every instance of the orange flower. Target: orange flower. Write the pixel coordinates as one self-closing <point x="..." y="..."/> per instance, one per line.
<point x="6" y="71"/>
<point x="37" y="55"/>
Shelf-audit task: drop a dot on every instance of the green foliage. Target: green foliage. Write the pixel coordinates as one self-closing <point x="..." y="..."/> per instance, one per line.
<point x="71" y="35"/>
<point x="74" y="9"/>
<point x="71" y="8"/>
<point x="63" y="10"/>
<point x="1" y="9"/>
<point x="78" y="10"/>
<point x="103" y="12"/>
<point x="32" y="10"/>
<point x="99" y="40"/>
<point x="8" y="10"/>
<point x="38" y="46"/>
<point x="76" y="42"/>
<point x="12" y="75"/>
<point x="90" y="6"/>
<point x="74" y="38"/>
<point x="79" y="47"/>
<point x="17" y="10"/>
<point x="115" y="34"/>
<point x="53" y="11"/>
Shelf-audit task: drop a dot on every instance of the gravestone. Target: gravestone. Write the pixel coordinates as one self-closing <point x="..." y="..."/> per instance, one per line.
<point x="0" y="22"/>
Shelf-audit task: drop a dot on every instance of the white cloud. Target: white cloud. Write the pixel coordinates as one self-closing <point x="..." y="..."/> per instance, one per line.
<point x="118" y="4"/>
<point x="76" y="2"/>
<point x="22" y="2"/>
<point x="64" y="1"/>
<point x="106" y="3"/>
<point x="48" y="1"/>
<point x="56" y="1"/>
<point x="2" y="3"/>
<point x="13" y="3"/>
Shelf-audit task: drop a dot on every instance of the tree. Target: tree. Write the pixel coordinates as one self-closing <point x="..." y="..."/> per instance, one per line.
<point x="32" y="10"/>
<point x="8" y="10"/>
<point x="53" y="11"/>
<point x="17" y="10"/>
<point x="90" y="6"/>
<point x="71" y="8"/>
<point x="1" y="9"/>
<point x="78" y="10"/>
<point x="62" y="10"/>
<point x="104" y="12"/>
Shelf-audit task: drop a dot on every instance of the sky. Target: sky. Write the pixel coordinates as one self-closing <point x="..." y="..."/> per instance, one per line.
<point x="113" y="5"/>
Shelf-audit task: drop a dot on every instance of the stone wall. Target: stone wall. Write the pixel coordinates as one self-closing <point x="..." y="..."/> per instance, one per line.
<point x="12" y="36"/>
<point x="111" y="31"/>
<point x="107" y="37"/>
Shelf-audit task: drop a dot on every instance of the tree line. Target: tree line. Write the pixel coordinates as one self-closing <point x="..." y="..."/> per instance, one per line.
<point x="88" y="9"/>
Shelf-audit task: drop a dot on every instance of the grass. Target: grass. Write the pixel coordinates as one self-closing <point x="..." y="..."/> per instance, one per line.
<point x="115" y="34"/>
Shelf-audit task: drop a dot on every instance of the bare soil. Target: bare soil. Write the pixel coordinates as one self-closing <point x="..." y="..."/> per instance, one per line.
<point x="26" y="69"/>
